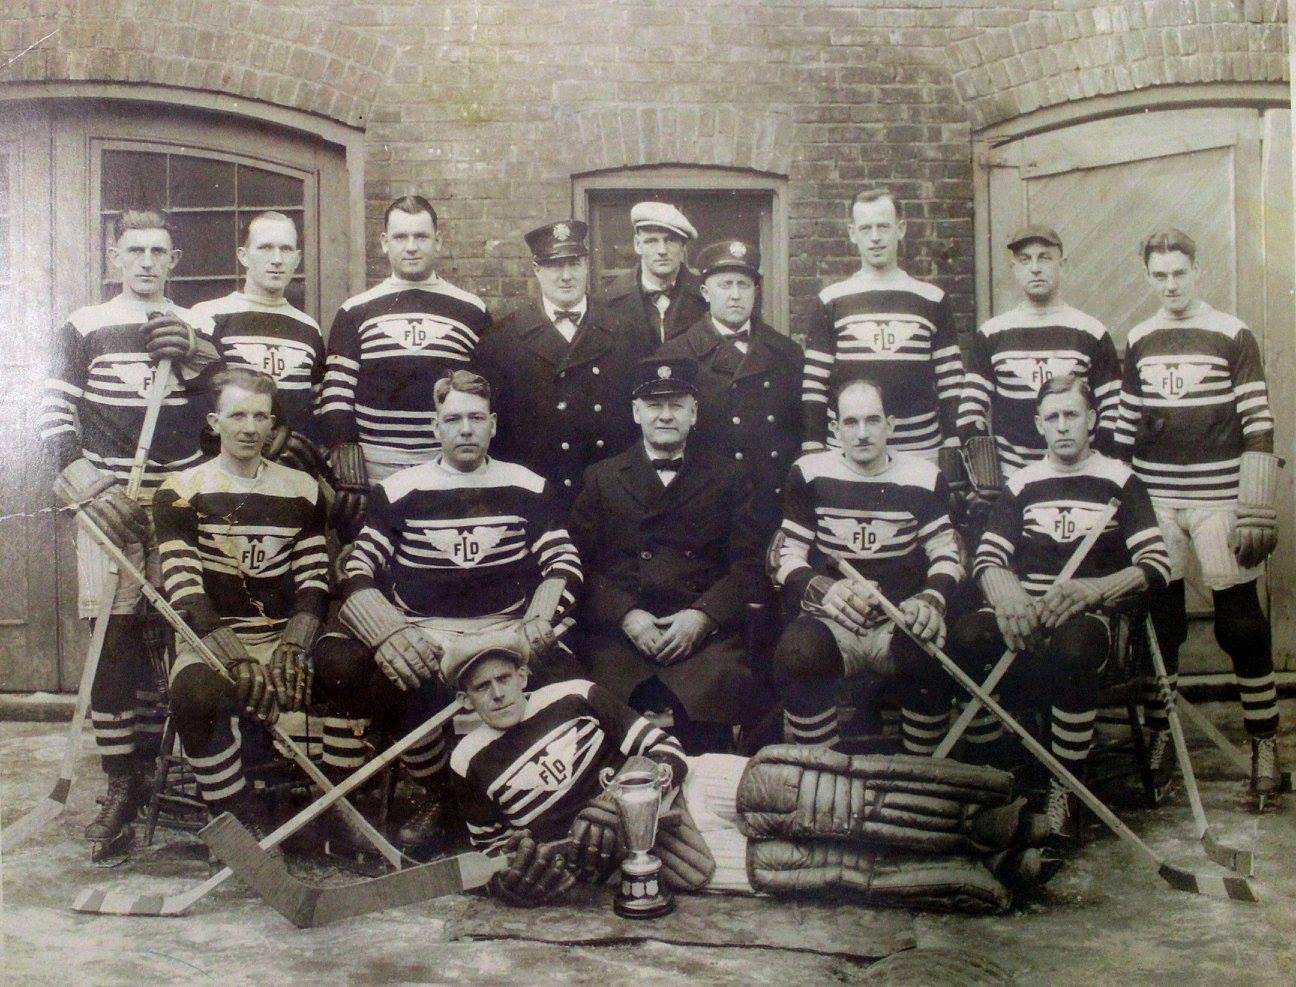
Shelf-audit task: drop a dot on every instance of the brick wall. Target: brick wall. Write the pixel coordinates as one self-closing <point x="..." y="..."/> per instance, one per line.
<point x="490" y="106"/>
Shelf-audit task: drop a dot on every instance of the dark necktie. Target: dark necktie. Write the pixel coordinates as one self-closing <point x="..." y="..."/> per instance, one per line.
<point x="655" y="294"/>
<point x="668" y="465"/>
<point x="571" y="315"/>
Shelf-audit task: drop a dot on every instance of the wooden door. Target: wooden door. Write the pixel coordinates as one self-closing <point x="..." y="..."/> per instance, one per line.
<point x="1105" y="184"/>
<point x="81" y="162"/>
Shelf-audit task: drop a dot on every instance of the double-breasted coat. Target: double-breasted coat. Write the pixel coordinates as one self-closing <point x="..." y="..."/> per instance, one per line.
<point x="648" y="546"/>
<point x="560" y="406"/>
<point x="749" y="406"/>
<point x="627" y="303"/>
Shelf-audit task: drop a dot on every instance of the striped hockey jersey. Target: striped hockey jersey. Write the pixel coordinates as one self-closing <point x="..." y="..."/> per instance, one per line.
<point x="1194" y="399"/>
<point x="97" y="390"/>
<point x="279" y="340"/>
<point x="539" y="773"/>
<point x="894" y="528"/>
<point x="897" y="330"/>
<point x="244" y="552"/>
<point x="388" y="346"/>
<point x="1011" y="357"/>
<point x="453" y="544"/>
<point x="1046" y="510"/>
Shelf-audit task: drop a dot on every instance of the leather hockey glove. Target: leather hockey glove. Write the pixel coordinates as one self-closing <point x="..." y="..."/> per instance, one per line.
<point x="294" y="450"/>
<point x="104" y="500"/>
<point x="596" y="838"/>
<point x="405" y="653"/>
<point x="537" y="874"/>
<point x="840" y="600"/>
<point x="171" y="338"/>
<point x="1256" y="533"/>
<point x="292" y="673"/>
<point x="250" y="683"/>
<point x="350" y="485"/>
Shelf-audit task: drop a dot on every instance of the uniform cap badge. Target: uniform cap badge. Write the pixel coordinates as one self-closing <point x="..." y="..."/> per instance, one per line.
<point x="561" y="232"/>
<point x="738" y="248"/>
<point x="663" y="373"/>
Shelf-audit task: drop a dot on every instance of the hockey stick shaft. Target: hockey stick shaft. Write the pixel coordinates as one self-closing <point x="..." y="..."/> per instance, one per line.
<point x="1241" y="861"/>
<point x="1233" y="887"/>
<point x="1005" y="662"/>
<point x="179" y="625"/>
<point x="1226" y="747"/>
<point x="54" y="803"/>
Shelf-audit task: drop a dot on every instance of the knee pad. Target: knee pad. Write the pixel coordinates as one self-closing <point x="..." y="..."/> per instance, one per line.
<point x="198" y="696"/>
<point x="1079" y="647"/>
<point x="975" y="641"/>
<point x="1240" y="625"/>
<point x="343" y="667"/>
<point x="807" y="649"/>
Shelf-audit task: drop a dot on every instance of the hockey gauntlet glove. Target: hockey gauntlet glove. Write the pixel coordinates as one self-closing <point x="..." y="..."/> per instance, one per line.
<point x="250" y="683"/>
<point x="171" y="338"/>
<point x="351" y="486"/>
<point x="104" y="501"/>
<point x="1256" y="532"/>
<point x="537" y="875"/>
<point x="292" y="673"/>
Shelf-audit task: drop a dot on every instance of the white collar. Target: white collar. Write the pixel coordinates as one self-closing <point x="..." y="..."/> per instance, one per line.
<point x="550" y="308"/>
<point x="724" y="330"/>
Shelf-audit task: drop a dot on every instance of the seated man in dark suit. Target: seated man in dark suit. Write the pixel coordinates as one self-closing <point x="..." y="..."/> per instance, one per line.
<point x="674" y="558"/>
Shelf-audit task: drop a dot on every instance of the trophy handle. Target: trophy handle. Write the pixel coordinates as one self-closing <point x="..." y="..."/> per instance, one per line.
<point x="606" y="775"/>
<point x="665" y="774"/>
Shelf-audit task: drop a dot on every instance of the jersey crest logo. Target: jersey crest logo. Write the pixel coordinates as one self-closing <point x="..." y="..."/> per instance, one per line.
<point x="412" y="333"/>
<point x="139" y="378"/>
<point x="552" y="767"/>
<point x="465" y="547"/>
<point x="277" y="361"/>
<point x="1062" y="524"/>
<point x="1036" y="371"/>
<point x="254" y="554"/>
<point x="883" y="337"/>
<point x="866" y="537"/>
<point x="1172" y="379"/>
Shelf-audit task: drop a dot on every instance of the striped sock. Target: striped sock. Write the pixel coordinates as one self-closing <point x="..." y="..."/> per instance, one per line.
<point x="342" y="748"/>
<point x="114" y="738"/>
<point x="220" y="775"/>
<point x="985" y="727"/>
<point x="1071" y="735"/>
<point x="922" y="732"/>
<point x="426" y="758"/>
<point x="1259" y="704"/>
<point x="150" y="717"/>
<point x="815" y="729"/>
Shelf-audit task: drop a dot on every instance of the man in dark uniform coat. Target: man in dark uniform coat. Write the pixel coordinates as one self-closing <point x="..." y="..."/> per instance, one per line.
<point x="659" y="299"/>
<point x="559" y="370"/>
<point x="749" y="376"/>
<point x="673" y="559"/>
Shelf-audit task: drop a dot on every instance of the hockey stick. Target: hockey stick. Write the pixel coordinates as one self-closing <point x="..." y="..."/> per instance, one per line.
<point x="178" y="624"/>
<point x="1241" y="861"/>
<point x="1229" y="749"/>
<point x="309" y="907"/>
<point x="1005" y="662"/>
<point x="1236" y="888"/>
<point x="121" y="903"/>
<point x="53" y="804"/>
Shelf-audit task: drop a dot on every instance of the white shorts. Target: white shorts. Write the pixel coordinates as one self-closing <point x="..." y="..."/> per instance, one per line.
<point x="92" y="570"/>
<point x="1204" y="532"/>
<point x="379" y="469"/>
<point x="259" y="650"/>
<point x="866" y="652"/>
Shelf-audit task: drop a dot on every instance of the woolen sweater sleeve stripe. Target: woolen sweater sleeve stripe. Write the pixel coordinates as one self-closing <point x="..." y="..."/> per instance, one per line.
<point x="176" y="522"/>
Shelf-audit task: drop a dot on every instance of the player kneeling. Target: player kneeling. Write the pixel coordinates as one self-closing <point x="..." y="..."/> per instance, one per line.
<point x="1061" y="629"/>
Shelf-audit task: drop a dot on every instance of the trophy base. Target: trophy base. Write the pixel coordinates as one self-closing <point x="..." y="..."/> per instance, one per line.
<point x="642" y="896"/>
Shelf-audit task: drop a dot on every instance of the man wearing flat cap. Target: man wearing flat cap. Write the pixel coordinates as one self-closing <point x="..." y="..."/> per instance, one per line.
<point x="1013" y="354"/>
<point x="560" y="368"/>
<point x="749" y="375"/>
<point x="660" y="298"/>
<point x="673" y="559"/>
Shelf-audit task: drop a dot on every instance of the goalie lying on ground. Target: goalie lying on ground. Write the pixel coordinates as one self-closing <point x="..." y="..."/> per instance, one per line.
<point x="791" y="820"/>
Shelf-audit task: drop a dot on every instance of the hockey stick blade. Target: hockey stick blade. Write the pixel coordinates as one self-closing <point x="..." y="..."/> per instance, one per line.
<point x="1234" y="888"/>
<point x="309" y="907"/>
<point x="1239" y="861"/>
<point x="46" y="811"/>
<point x="122" y="903"/>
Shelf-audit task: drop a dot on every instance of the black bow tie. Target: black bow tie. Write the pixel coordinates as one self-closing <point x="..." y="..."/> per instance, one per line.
<point x="570" y="315"/>
<point x="655" y="293"/>
<point x="668" y="465"/>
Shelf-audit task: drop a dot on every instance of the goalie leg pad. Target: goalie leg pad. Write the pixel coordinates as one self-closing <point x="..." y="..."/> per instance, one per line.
<point x="900" y="800"/>
<point x="941" y="883"/>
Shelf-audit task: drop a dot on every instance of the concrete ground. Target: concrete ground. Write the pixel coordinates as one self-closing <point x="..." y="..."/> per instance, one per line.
<point x="1106" y="919"/>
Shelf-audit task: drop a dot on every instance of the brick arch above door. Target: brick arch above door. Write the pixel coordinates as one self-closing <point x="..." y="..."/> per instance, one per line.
<point x="1099" y="49"/>
<point x="242" y="49"/>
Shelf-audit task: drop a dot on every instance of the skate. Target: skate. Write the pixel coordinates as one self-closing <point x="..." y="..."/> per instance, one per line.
<point x="1064" y="825"/>
<point x="425" y="826"/>
<point x="110" y="833"/>
<point x="1266" y="785"/>
<point x="1161" y="764"/>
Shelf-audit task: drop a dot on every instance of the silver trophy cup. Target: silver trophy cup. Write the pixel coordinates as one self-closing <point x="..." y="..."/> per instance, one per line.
<point x="638" y="796"/>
